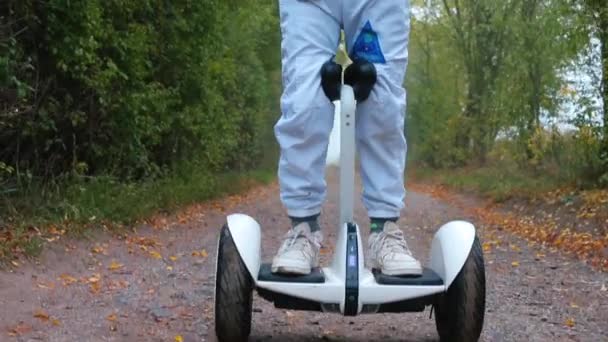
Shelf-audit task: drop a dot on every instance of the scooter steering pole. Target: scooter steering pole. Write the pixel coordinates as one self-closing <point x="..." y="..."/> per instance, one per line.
<point x="347" y="110"/>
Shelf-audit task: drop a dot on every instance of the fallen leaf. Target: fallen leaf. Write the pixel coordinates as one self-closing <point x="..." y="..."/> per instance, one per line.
<point x="49" y="285"/>
<point x="144" y="241"/>
<point x="515" y="263"/>
<point x="112" y="318"/>
<point x="41" y="314"/>
<point x="115" y="266"/>
<point x="95" y="287"/>
<point x="169" y="268"/>
<point x="173" y="258"/>
<point x="67" y="279"/>
<point x="179" y="338"/>
<point x="202" y="253"/>
<point x="155" y="255"/>
<point x="570" y="322"/>
<point x="15" y="263"/>
<point x="20" y="329"/>
<point x="97" y="249"/>
<point x="56" y="322"/>
<point x="117" y="284"/>
<point x="55" y="231"/>
<point x="515" y="248"/>
<point x="573" y="305"/>
<point x="94" y="278"/>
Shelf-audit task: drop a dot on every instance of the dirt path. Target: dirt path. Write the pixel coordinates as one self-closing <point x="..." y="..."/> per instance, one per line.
<point x="156" y="284"/>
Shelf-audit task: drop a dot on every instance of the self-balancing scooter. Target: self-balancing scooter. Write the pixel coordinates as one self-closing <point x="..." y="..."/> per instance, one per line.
<point x="453" y="283"/>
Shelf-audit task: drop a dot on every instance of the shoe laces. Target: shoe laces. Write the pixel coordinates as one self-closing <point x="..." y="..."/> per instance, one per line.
<point x="301" y="239"/>
<point x="391" y="241"/>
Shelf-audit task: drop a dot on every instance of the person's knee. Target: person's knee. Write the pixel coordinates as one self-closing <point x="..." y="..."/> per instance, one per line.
<point x="302" y="84"/>
<point x="383" y="114"/>
<point x="381" y="118"/>
<point x="305" y="124"/>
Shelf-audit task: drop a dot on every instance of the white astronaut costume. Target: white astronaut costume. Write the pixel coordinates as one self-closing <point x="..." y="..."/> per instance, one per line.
<point x="376" y="30"/>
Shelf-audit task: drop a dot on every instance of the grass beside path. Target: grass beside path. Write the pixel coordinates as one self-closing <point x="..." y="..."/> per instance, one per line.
<point x="77" y="205"/>
<point x="498" y="183"/>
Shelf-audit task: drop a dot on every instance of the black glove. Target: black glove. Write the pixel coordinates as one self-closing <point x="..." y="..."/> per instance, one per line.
<point x="361" y="75"/>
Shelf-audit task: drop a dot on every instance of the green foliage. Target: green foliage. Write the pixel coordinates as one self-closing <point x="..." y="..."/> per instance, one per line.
<point x="132" y="88"/>
<point x="435" y="97"/>
<point x="111" y="110"/>
<point x="486" y="77"/>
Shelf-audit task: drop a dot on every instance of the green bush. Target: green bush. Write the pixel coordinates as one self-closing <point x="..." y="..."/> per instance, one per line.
<point x="133" y="88"/>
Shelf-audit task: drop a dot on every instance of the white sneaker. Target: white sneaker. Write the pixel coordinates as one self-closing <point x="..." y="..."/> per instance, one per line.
<point x="299" y="253"/>
<point x="388" y="252"/>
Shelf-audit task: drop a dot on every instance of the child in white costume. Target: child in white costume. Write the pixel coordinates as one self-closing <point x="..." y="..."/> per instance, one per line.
<point x="376" y="31"/>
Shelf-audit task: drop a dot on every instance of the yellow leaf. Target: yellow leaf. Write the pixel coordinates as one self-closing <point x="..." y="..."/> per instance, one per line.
<point x="97" y="249"/>
<point x="169" y="268"/>
<point x="487" y="247"/>
<point x="515" y="263"/>
<point x="67" y="279"/>
<point x="179" y="338"/>
<point x="155" y="255"/>
<point x="570" y="322"/>
<point x="115" y="266"/>
<point x="40" y="314"/>
<point x="94" y="278"/>
<point x="573" y="305"/>
<point x="95" y="287"/>
<point x="56" y="322"/>
<point x="173" y="258"/>
<point x="111" y="318"/>
<point x="202" y="253"/>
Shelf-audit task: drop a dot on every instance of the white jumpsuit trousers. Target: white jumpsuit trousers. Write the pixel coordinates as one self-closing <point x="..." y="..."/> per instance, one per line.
<point x="377" y="30"/>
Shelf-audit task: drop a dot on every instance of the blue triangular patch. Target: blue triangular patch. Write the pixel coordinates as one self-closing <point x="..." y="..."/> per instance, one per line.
<point x="367" y="46"/>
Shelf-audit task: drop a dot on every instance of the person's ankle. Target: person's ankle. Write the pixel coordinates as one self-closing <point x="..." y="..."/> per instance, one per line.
<point x="377" y="223"/>
<point x="313" y="222"/>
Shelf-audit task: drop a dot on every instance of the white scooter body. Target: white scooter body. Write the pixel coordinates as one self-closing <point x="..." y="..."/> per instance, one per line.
<point x="347" y="286"/>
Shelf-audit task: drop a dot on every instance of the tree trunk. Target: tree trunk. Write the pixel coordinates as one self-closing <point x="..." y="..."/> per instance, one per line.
<point x="603" y="36"/>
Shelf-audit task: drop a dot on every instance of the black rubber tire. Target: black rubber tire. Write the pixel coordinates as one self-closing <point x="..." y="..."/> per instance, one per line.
<point x="233" y="292"/>
<point x="459" y="312"/>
